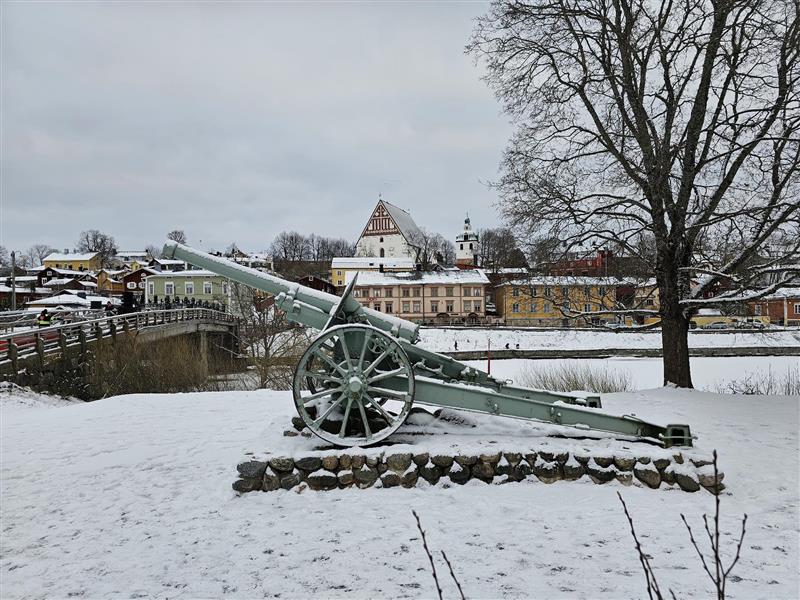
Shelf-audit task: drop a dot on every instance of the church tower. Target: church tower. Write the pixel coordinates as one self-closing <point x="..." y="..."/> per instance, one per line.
<point x="467" y="246"/>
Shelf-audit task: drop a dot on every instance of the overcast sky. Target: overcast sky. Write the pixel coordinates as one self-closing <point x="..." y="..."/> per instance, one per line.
<point x="234" y="122"/>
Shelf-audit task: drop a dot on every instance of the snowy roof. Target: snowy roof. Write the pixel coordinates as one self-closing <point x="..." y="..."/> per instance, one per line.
<point x="58" y="281"/>
<point x="168" y="261"/>
<point x="189" y="273"/>
<point x="371" y="262"/>
<point x="566" y="281"/>
<point x="24" y="289"/>
<point x="403" y="220"/>
<point x="787" y="292"/>
<point x="473" y="276"/>
<point x="67" y="299"/>
<point x="132" y="254"/>
<point x="55" y="256"/>
<point x="71" y="272"/>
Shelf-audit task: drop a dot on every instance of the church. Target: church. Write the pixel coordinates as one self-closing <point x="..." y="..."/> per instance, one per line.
<point x="390" y="232"/>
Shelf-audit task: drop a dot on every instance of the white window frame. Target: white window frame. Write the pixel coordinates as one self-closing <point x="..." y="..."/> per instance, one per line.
<point x="208" y="285"/>
<point x="188" y="288"/>
<point x="169" y="288"/>
<point x="151" y="289"/>
<point x="515" y="307"/>
<point x="797" y="308"/>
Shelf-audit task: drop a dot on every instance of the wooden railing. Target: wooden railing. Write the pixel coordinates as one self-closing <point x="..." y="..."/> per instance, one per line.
<point x="58" y="338"/>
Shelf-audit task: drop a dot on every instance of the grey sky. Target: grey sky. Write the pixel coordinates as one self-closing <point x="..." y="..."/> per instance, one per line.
<point x="235" y="122"/>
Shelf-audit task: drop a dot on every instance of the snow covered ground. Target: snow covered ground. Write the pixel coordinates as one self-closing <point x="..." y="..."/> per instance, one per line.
<point x="130" y="496"/>
<point x="711" y="374"/>
<point x="442" y="340"/>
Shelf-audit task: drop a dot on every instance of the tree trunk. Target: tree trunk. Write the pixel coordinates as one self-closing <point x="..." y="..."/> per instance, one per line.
<point x="675" y="342"/>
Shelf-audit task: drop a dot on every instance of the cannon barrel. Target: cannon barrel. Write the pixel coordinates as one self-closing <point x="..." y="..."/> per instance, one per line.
<point x="310" y="307"/>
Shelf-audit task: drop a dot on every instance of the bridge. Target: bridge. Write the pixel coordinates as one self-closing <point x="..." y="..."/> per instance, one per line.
<point x="27" y="354"/>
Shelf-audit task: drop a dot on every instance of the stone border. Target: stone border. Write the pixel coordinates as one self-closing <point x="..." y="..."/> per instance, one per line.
<point x="351" y="469"/>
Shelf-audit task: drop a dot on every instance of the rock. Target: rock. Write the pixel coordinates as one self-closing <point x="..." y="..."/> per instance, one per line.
<point x="421" y="459"/>
<point x="466" y="461"/>
<point x="289" y="480"/>
<point x="687" y="481"/>
<point x="290" y="433"/>
<point x="382" y="468"/>
<point x="624" y="463"/>
<point x="531" y="458"/>
<point x="582" y="458"/>
<point x="602" y="461"/>
<point x="503" y="467"/>
<point x="391" y="479"/>
<point x="252" y="469"/>
<point x="330" y="463"/>
<point x="247" y="485"/>
<point x="345" y="478"/>
<point x="309" y="463"/>
<point x="701" y="462"/>
<point x="668" y="476"/>
<point x="705" y="475"/>
<point x="624" y="477"/>
<point x="573" y="470"/>
<point x="430" y="473"/>
<point x="366" y="476"/>
<point x="441" y="461"/>
<point x="372" y="461"/>
<point x="492" y="459"/>
<point x="358" y="462"/>
<point x="322" y="480"/>
<point x="600" y="473"/>
<point x="409" y="478"/>
<point x="522" y="470"/>
<point x="483" y="471"/>
<point x="459" y="474"/>
<point x="399" y="462"/>
<point x="546" y="471"/>
<point x="648" y="475"/>
<point x="678" y="458"/>
<point x="298" y="423"/>
<point x="345" y="461"/>
<point x="281" y="463"/>
<point x="513" y="458"/>
<point x="644" y="460"/>
<point x="661" y="463"/>
<point x="561" y="457"/>
<point x="271" y="481"/>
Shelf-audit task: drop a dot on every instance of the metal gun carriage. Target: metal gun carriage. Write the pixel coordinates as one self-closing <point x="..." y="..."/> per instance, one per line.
<point x="357" y="381"/>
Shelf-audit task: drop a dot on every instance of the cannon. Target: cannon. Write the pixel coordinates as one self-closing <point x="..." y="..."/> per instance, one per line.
<point x="358" y="379"/>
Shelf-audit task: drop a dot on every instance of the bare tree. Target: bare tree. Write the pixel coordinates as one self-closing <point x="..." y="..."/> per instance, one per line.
<point x="153" y="251"/>
<point x="499" y="249"/>
<point x="93" y="240"/>
<point x="37" y="253"/>
<point x="432" y="249"/>
<point x="290" y="246"/>
<point x="5" y="258"/>
<point x="177" y="235"/>
<point x="680" y="121"/>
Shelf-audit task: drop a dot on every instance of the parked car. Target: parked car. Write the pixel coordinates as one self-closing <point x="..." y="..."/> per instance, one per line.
<point x="717" y="325"/>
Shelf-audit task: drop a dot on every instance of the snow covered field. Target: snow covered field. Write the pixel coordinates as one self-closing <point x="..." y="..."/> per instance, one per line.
<point x="130" y="496"/>
<point x="442" y="340"/>
<point x="709" y="374"/>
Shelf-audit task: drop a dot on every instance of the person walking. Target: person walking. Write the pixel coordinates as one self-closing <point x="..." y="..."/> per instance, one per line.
<point x="44" y="319"/>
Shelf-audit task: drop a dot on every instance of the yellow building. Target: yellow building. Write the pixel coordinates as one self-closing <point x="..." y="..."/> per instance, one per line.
<point x="341" y="266"/>
<point x="110" y="282"/>
<point x="89" y="261"/>
<point x="557" y="301"/>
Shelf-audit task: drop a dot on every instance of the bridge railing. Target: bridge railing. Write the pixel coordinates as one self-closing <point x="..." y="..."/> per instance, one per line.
<point x="46" y="340"/>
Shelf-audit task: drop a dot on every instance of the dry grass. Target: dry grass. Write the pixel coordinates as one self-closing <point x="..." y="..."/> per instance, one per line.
<point x="570" y="377"/>
<point x="769" y="383"/>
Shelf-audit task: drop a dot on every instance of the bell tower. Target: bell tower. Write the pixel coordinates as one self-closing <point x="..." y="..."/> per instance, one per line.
<point x="467" y="246"/>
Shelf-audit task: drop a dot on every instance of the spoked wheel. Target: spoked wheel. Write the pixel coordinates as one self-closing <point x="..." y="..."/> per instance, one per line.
<point x="361" y="385"/>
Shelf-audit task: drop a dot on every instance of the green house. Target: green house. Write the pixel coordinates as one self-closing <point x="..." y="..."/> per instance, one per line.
<point x="194" y="285"/>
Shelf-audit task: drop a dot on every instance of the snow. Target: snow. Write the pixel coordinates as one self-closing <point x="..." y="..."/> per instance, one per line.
<point x="130" y="496"/>
<point x="442" y="339"/>
<point x="465" y="276"/>
<point x="644" y="373"/>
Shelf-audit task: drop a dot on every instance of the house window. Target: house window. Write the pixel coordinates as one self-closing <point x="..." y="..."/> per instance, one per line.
<point x="417" y="306"/>
<point x="564" y="292"/>
<point x="546" y="307"/>
<point x="587" y="308"/>
<point x="467" y="291"/>
<point x="435" y="292"/>
<point x="586" y="292"/>
<point x="546" y="292"/>
<point x="189" y="287"/>
<point x="389" y="293"/>
<point x="467" y="306"/>
<point x="416" y="292"/>
<point x="225" y="288"/>
<point x="461" y="245"/>
<point x="435" y="306"/>
<point x="381" y="240"/>
<point x="449" y="306"/>
<point x="382" y="253"/>
<point x="476" y="306"/>
<point x="141" y="285"/>
<point x="797" y="308"/>
<point x="406" y="306"/>
<point x="757" y="310"/>
<point x="376" y="293"/>
<point x="602" y="291"/>
<point x="356" y="293"/>
<point x="406" y="293"/>
<point x="377" y="306"/>
<point x="207" y="287"/>
<point x="389" y="307"/>
<point x="339" y="273"/>
<point x="169" y="289"/>
<point x="515" y="307"/>
<point x="515" y="292"/>
<point x="448" y="291"/>
<point x="151" y="289"/>
<point x="476" y="292"/>
<point x="470" y="246"/>
<point x="131" y="285"/>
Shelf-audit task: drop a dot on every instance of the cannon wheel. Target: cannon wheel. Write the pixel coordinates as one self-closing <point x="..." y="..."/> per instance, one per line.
<point x="348" y="406"/>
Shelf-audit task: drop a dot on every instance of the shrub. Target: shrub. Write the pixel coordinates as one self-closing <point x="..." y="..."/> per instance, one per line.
<point x="569" y="377"/>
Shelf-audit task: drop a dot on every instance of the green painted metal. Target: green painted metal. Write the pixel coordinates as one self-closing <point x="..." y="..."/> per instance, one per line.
<point x="334" y="387"/>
